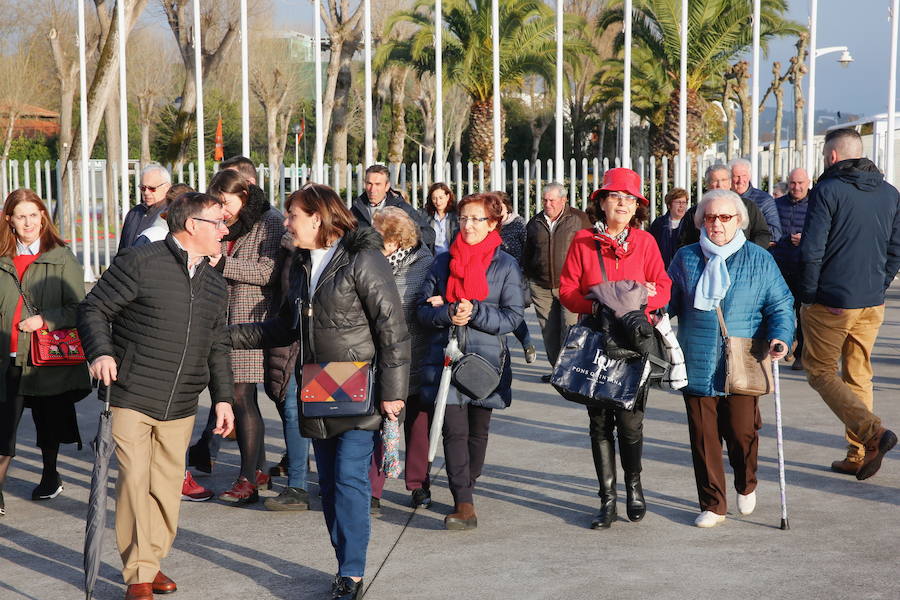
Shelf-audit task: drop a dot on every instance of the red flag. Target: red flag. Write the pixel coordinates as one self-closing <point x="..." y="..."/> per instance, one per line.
<point x="302" y="129"/>
<point x="220" y="142"/>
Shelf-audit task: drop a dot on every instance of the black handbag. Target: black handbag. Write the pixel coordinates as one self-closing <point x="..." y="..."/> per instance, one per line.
<point x="472" y="374"/>
<point x="586" y="374"/>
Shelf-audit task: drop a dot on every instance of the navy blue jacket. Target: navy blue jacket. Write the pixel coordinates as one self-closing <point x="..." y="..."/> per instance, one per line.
<point x="667" y="238"/>
<point x="360" y="210"/>
<point x="851" y="240"/>
<point x="793" y="216"/>
<point x="766" y="204"/>
<point x="492" y="318"/>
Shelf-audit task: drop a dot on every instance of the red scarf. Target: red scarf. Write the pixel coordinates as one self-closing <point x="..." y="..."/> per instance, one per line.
<point x="468" y="267"/>
<point x="615" y="247"/>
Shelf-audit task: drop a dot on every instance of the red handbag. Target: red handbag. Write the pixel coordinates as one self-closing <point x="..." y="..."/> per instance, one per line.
<point x="52" y="348"/>
<point x="55" y="348"/>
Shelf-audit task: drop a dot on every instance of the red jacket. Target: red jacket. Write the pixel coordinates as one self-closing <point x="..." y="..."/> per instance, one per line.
<point x="642" y="263"/>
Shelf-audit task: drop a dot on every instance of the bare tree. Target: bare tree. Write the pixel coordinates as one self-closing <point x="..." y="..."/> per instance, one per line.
<point x="795" y="76"/>
<point x="18" y="86"/>
<point x="776" y="89"/>
<point x="273" y="82"/>
<point x="540" y="115"/>
<point x="219" y="28"/>
<point x="149" y="81"/>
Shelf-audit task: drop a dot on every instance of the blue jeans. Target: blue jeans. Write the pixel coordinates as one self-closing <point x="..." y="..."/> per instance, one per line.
<point x="297" y="445"/>
<point x="343" y="465"/>
<point x="523" y="335"/>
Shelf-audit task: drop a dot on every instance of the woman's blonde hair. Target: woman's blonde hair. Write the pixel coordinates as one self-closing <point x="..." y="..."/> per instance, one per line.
<point x="396" y="226"/>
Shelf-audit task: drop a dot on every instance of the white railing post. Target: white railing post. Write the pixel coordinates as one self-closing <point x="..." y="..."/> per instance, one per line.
<point x="538" y="193"/>
<point x="652" y="188"/>
<point x="526" y="168"/>
<point x="584" y="183"/>
<point x="515" y="186"/>
<point x="665" y="176"/>
<point x="459" y="180"/>
<point x="573" y="174"/>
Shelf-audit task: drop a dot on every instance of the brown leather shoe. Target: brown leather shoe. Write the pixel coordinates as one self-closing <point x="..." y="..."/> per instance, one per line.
<point x="163" y="585"/>
<point x="846" y="466"/>
<point x="463" y="519"/>
<point x="876" y="448"/>
<point x="139" y="591"/>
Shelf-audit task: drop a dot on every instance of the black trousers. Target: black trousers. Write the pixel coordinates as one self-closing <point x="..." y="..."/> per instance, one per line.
<point x="54" y="417"/>
<point x="465" y="445"/>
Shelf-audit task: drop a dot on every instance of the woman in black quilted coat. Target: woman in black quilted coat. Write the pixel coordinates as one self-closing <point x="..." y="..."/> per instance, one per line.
<point x="343" y="306"/>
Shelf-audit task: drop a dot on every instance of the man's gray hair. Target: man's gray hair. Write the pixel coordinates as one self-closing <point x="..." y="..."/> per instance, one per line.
<point x="715" y="169"/>
<point x="167" y="177"/>
<point x="711" y="195"/>
<point x="559" y="188"/>
<point x="739" y="161"/>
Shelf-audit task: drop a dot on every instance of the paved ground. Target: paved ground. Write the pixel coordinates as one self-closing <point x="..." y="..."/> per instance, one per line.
<point x="535" y="501"/>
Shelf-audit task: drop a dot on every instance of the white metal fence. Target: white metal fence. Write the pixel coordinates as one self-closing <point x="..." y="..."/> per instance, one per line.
<point x="523" y="181"/>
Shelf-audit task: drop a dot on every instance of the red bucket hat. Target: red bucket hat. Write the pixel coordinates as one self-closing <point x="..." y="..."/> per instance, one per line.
<point x="623" y="180"/>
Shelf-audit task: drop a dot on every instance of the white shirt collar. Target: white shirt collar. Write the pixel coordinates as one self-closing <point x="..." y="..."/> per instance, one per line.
<point x="193" y="261"/>
<point x="32" y="248"/>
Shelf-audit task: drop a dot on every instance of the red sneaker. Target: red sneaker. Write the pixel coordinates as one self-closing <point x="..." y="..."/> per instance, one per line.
<point x="193" y="491"/>
<point x="263" y="480"/>
<point x="242" y="492"/>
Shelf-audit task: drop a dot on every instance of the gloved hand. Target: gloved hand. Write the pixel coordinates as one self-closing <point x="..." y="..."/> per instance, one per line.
<point x="638" y="330"/>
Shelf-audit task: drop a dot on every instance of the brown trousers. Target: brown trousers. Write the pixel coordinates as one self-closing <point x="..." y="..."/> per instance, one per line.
<point x="554" y="319"/>
<point x="737" y="420"/>
<point x="148" y="488"/>
<point x="849" y="337"/>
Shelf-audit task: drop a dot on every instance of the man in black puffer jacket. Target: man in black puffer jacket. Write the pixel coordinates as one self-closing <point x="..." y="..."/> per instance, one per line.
<point x="154" y="330"/>
<point x="850" y="253"/>
<point x="378" y="195"/>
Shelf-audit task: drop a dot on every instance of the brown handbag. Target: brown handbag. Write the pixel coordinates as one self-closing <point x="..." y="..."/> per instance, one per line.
<point x="748" y="366"/>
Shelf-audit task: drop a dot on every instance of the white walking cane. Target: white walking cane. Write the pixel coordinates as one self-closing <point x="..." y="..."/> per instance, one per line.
<point x="780" y="441"/>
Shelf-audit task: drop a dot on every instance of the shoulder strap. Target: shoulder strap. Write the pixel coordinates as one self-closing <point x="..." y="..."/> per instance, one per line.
<point x="722" y="323"/>
<point x="600" y="257"/>
<point x="28" y="305"/>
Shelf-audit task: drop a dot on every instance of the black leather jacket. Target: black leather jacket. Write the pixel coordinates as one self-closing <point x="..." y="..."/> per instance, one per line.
<point x="356" y="316"/>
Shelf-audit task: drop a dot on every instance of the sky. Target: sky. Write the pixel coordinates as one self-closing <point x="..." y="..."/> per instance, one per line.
<point x="861" y="88"/>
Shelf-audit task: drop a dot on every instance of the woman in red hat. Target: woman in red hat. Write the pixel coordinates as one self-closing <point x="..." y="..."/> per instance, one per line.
<point x="628" y="253"/>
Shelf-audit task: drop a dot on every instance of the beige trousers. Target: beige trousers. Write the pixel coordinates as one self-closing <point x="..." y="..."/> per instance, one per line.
<point x="148" y="489"/>
<point x="849" y="337"/>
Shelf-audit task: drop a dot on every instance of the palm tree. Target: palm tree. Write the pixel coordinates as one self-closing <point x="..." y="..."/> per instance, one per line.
<point x="719" y="30"/>
<point x="527" y="47"/>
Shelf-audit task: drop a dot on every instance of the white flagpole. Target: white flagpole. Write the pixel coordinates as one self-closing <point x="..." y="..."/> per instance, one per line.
<point x="198" y="79"/>
<point x="626" y="91"/>
<point x="682" y="102"/>
<point x="320" y="119"/>
<point x="558" y="159"/>
<point x="438" y="92"/>
<point x="245" y="83"/>
<point x="123" y="107"/>
<point x="495" y="44"/>
<point x="367" y="36"/>
<point x="892" y="92"/>
<point x="83" y="126"/>
<point x="754" y="101"/>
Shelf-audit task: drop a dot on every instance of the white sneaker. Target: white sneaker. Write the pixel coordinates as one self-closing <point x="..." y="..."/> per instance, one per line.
<point x="709" y="519"/>
<point x="746" y="504"/>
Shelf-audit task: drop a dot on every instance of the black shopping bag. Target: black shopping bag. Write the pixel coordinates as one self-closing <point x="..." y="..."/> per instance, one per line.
<point x="586" y="374"/>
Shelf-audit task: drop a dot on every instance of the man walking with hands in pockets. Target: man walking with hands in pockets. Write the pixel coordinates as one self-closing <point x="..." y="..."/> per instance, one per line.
<point x="154" y="330"/>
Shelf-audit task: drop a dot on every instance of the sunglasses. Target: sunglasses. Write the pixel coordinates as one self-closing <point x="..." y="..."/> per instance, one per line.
<point x="710" y="219"/>
<point x="150" y="188"/>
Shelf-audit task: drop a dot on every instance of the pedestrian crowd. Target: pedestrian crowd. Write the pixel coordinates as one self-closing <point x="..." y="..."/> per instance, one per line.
<point x="367" y="321"/>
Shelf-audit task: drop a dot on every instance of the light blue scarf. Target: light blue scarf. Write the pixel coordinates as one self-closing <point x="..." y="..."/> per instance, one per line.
<point x="715" y="280"/>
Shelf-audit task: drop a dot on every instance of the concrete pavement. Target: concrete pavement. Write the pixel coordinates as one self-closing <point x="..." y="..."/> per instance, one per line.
<point x="535" y="501"/>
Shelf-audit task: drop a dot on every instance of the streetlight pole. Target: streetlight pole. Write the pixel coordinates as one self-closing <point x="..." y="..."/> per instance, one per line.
<point x="367" y="36"/>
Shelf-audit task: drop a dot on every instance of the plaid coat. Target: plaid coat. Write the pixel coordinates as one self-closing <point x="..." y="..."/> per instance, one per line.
<point x="252" y="272"/>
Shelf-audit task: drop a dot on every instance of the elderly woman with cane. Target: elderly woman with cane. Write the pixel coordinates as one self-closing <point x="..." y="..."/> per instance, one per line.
<point x="628" y="253"/>
<point x="723" y="279"/>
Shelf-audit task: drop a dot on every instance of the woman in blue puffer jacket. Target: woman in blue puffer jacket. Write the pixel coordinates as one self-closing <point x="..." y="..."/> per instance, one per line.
<point x="477" y="288"/>
<point x="742" y="279"/>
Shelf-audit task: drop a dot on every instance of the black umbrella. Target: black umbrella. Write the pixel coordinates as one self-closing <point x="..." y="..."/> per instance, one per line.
<point x="103" y="446"/>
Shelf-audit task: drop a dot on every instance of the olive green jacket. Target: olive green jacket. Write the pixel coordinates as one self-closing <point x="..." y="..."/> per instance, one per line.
<point x="54" y="284"/>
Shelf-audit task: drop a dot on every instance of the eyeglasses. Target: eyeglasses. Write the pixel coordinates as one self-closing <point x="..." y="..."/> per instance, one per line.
<point x="710" y="219"/>
<point x="219" y="223"/>
<point x="464" y="220"/>
<point x="625" y="199"/>
<point x="151" y="188"/>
